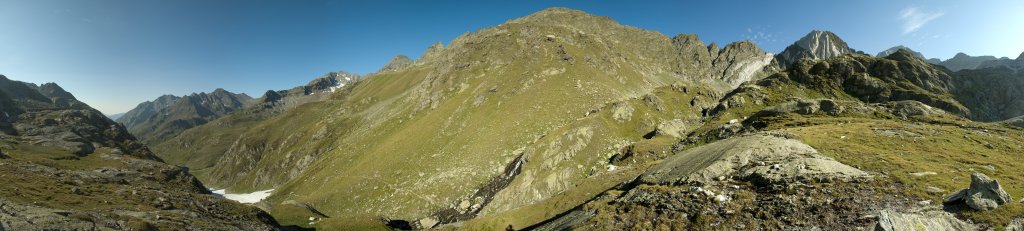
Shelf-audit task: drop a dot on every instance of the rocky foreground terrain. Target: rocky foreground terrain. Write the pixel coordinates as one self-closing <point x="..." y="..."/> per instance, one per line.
<point x="559" y="120"/>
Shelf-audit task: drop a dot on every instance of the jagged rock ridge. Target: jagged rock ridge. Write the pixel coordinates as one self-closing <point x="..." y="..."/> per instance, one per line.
<point x="181" y="113"/>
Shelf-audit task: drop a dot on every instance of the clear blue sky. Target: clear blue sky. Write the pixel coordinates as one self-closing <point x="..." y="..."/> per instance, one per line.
<point x="113" y="54"/>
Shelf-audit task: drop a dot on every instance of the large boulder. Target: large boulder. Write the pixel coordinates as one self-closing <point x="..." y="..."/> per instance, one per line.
<point x="983" y="195"/>
<point x="674" y="128"/>
<point x="908" y="108"/>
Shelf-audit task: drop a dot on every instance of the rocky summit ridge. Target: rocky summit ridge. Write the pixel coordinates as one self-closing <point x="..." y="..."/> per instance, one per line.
<point x="168" y="116"/>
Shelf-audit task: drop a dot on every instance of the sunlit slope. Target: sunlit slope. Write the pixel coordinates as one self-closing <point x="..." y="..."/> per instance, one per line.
<point x="564" y="89"/>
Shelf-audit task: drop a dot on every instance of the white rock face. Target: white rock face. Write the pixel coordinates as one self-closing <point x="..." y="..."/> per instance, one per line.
<point x="815" y="45"/>
<point x="746" y="70"/>
<point x="823" y="44"/>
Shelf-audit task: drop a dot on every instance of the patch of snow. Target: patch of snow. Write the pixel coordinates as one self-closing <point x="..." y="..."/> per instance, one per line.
<point x="247" y="198"/>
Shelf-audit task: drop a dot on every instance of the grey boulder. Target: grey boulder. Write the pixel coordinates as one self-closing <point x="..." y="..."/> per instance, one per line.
<point x="984" y="194"/>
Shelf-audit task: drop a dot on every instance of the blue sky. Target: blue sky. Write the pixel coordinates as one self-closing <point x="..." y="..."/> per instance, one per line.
<point x="113" y="54"/>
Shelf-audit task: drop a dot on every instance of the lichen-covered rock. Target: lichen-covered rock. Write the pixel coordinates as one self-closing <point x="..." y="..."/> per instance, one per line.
<point x="674" y="128"/>
<point x="622" y="111"/>
<point x="1016" y="225"/>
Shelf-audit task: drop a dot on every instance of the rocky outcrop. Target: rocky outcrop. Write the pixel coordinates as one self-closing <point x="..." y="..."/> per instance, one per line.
<point x="673" y="128"/>
<point x="432" y="53"/>
<point x="984" y="194"/>
<point x="804" y="107"/>
<point x="15" y="216"/>
<point x="909" y="108"/>
<point x="816" y="45"/>
<point x="992" y="94"/>
<point x="54" y="118"/>
<point x="889" y="220"/>
<point x="733" y="65"/>
<point x="763" y="159"/>
<point x="898" y="77"/>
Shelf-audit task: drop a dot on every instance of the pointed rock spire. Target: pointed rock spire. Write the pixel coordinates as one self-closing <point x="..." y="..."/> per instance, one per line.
<point x="815" y="45"/>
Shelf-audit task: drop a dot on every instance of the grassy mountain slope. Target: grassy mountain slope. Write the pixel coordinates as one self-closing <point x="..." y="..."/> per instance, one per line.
<point x="563" y="89"/>
<point x="200" y="147"/>
<point x="521" y="122"/>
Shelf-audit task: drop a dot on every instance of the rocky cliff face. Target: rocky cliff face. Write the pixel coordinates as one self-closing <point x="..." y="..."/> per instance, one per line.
<point x="181" y="114"/>
<point x="992" y="91"/>
<point x="815" y="45"/>
<point x="732" y="65"/>
<point x="66" y="166"/>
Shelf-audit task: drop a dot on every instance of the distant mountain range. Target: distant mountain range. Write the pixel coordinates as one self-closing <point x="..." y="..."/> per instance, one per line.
<point x="165" y="117"/>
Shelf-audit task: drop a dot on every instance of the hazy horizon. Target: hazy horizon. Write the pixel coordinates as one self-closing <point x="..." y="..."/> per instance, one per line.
<point x="114" y="54"/>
